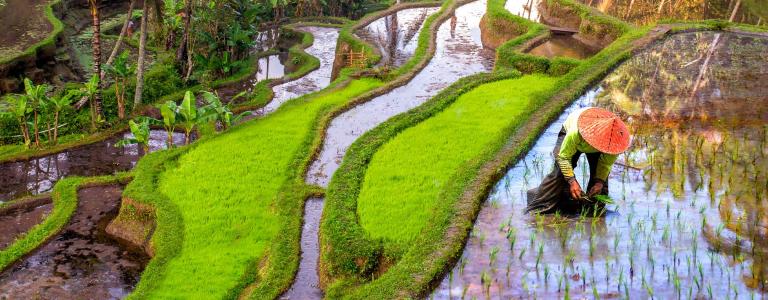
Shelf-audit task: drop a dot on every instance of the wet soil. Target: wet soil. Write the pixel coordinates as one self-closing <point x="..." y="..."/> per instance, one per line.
<point x="396" y="35"/>
<point x="459" y="53"/>
<point x="24" y="24"/>
<point x="643" y="12"/>
<point x="564" y="46"/>
<point x="38" y="175"/>
<point x="528" y="9"/>
<point x="324" y="49"/>
<point x="306" y="284"/>
<point x="18" y="219"/>
<point x="82" y="262"/>
<point x="689" y="218"/>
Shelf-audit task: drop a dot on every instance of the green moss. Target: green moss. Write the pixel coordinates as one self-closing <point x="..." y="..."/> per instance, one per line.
<point x="48" y="41"/>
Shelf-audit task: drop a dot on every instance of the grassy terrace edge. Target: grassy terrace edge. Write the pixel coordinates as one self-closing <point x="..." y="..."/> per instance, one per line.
<point x="268" y="277"/>
<point x="64" y="196"/>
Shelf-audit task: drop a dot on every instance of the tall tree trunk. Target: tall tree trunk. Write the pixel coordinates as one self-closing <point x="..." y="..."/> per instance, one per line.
<point x="155" y="15"/>
<point x="142" y="54"/>
<point x="735" y="10"/>
<point x="96" y="43"/>
<point x="119" y="42"/>
<point x="182" y="52"/>
<point x="56" y="127"/>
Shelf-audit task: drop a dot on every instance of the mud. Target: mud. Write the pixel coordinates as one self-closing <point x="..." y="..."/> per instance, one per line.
<point x="528" y="9"/>
<point x="564" y="46"/>
<point x="18" y="220"/>
<point x="690" y="192"/>
<point x="643" y="12"/>
<point x="24" y="24"/>
<point x="306" y="284"/>
<point x="324" y="49"/>
<point x="459" y="53"/>
<point x="396" y="35"/>
<point x="81" y="262"/>
<point x="38" y="175"/>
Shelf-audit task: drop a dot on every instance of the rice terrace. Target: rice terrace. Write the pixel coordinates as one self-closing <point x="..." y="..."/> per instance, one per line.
<point x="368" y="149"/>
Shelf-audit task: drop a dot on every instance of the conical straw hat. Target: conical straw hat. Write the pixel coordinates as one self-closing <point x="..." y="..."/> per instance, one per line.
<point x="603" y="130"/>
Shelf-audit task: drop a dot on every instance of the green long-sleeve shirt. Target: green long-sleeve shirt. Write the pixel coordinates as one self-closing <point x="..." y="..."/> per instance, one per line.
<point x="573" y="142"/>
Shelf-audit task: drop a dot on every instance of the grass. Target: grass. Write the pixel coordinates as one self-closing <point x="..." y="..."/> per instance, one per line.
<point x="224" y="190"/>
<point x="394" y="190"/>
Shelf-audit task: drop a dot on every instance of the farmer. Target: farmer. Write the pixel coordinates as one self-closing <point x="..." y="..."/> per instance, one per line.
<point x="600" y="135"/>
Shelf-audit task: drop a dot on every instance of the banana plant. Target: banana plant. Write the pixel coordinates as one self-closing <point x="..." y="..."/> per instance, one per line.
<point x="90" y="90"/>
<point x="57" y="105"/>
<point x="19" y="109"/>
<point x="36" y="97"/>
<point x="140" y="131"/>
<point x="217" y="111"/>
<point x="169" y="110"/>
<point x="189" y="115"/>
<point x="120" y="71"/>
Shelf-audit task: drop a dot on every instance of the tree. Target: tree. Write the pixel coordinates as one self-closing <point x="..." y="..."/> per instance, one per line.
<point x="140" y="131"/>
<point x="120" y="71"/>
<point x="142" y="54"/>
<point x="96" y="44"/>
<point x="91" y="91"/>
<point x="35" y="98"/>
<point x="169" y="110"/>
<point x="56" y="105"/>
<point x="183" y="53"/>
<point x="120" y="38"/>
<point x="19" y="109"/>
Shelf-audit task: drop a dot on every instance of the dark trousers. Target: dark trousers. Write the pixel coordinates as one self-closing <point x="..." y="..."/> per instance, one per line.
<point x="553" y="193"/>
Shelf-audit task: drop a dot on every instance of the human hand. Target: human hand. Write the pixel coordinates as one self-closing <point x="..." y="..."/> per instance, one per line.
<point x="596" y="189"/>
<point x="575" y="190"/>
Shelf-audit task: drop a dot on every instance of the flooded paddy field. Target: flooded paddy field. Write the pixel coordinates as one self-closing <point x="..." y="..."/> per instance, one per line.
<point x="528" y="9"/>
<point x="459" y="53"/>
<point x="82" y="261"/>
<point x="324" y="49"/>
<point x="18" y="218"/>
<point x="689" y="213"/>
<point x="565" y="46"/>
<point x="38" y="175"/>
<point x="396" y="35"/>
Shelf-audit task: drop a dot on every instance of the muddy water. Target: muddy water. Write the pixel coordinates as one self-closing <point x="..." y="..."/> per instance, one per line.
<point x="81" y="262"/>
<point x="324" y="49"/>
<point x="15" y="221"/>
<point x="24" y="24"/>
<point x="307" y="280"/>
<point x="564" y="46"/>
<point x="689" y="219"/>
<point x="396" y="35"/>
<point x="644" y="12"/>
<point x="528" y="9"/>
<point x="38" y="175"/>
<point x="270" y="67"/>
<point x="459" y="53"/>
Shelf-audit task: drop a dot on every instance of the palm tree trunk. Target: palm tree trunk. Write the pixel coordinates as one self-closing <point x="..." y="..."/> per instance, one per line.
<point x="96" y="44"/>
<point x="735" y="10"/>
<point x="119" y="42"/>
<point x="142" y="54"/>
<point x="182" y="52"/>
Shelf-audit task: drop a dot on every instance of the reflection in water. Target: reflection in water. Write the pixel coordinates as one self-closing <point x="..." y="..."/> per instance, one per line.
<point x="528" y="9"/>
<point x="563" y="46"/>
<point x="38" y="175"/>
<point x="395" y="35"/>
<point x="644" y="12"/>
<point x="459" y="53"/>
<point x="270" y="67"/>
<point x="690" y="215"/>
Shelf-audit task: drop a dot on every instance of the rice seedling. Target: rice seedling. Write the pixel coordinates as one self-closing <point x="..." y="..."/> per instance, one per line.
<point x="485" y="280"/>
<point x="595" y="295"/>
<point x="464" y="290"/>
<point x="539" y="255"/>
<point x="522" y="253"/>
<point x="546" y="274"/>
<point x="493" y="255"/>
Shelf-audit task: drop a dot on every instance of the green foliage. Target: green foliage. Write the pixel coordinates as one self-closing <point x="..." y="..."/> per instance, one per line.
<point x="140" y="131"/>
<point x="160" y="80"/>
<point x="228" y="207"/>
